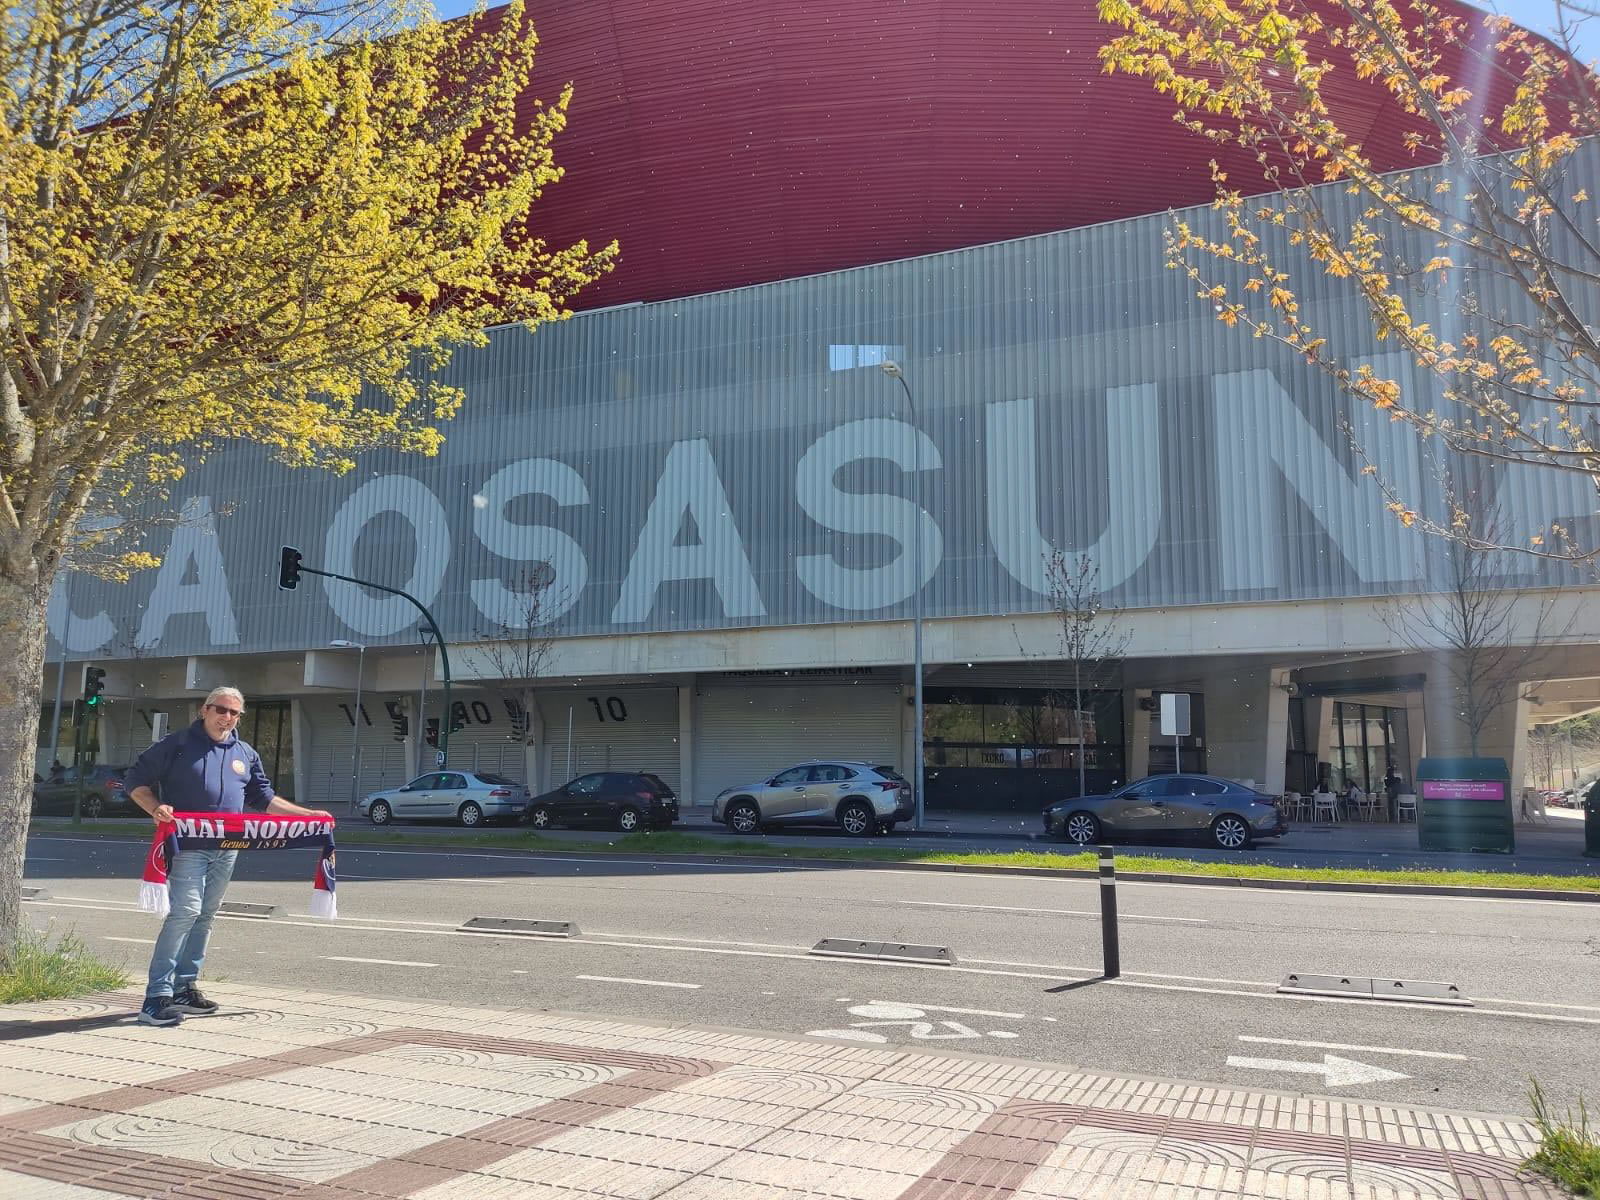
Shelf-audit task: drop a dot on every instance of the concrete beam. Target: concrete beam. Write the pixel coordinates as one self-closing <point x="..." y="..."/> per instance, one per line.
<point x="331" y="669"/>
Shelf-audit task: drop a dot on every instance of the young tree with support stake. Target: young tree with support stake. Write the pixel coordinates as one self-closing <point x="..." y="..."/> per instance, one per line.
<point x="222" y="222"/>
<point x="1091" y="641"/>
<point x="517" y="645"/>
<point x="1482" y="265"/>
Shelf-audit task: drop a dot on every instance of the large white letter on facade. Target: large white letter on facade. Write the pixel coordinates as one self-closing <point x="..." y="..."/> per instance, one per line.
<point x="1133" y="423"/>
<point x="79" y="634"/>
<point x="194" y="540"/>
<point x="689" y="484"/>
<point x="1261" y="439"/>
<point x="359" y="609"/>
<point x="865" y="588"/>
<point x="530" y="543"/>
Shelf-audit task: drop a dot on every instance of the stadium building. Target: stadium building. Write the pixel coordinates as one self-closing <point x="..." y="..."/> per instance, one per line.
<point x="720" y="494"/>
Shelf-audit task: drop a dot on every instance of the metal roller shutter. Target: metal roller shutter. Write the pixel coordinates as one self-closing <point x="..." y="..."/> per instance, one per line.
<point x="485" y="741"/>
<point x="749" y="732"/>
<point x="613" y="729"/>
<point x="330" y="756"/>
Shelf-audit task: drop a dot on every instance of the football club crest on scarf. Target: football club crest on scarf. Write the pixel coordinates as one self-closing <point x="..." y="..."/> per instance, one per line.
<point x="238" y="831"/>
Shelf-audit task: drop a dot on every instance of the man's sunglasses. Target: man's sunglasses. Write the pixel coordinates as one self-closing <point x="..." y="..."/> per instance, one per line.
<point x="225" y="710"/>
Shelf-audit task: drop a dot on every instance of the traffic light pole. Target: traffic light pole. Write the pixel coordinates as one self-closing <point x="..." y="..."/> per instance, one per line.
<point x="444" y="653"/>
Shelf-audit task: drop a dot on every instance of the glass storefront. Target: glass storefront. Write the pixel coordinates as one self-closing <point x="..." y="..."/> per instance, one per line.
<point x="267" y="726"/>
<point x="1368" y="740"/>
<point x="1013" y="749"/>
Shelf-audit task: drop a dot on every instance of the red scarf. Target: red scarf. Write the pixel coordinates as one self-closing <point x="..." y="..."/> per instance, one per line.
<point x="237" y="831"/>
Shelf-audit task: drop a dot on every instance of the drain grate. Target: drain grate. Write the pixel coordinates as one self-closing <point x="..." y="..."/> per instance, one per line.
<point x="239" y="908"/>
<point x="35" y="893"/>
<point x="884" y="951"/>
<point x="1364" y="987"/>
<point x="518" y="927"/>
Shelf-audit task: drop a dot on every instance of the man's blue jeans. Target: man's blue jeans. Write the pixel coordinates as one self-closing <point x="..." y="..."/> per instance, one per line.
<point x="195" y="887"/>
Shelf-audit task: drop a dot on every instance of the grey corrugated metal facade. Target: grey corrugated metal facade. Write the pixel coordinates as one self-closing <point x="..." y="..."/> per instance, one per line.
<point x="738" y="460"/>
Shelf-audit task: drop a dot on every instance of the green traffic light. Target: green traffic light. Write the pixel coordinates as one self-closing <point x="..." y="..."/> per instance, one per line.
<point x="93" y="701"/>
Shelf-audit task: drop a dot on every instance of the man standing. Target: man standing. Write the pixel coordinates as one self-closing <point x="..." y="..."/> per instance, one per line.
<point x="204" y="768"/>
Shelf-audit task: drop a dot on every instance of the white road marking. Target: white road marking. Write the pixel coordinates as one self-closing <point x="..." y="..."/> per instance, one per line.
<point x="135" y="941"/>
<point x="641" y="982"/>
<point x="1335" y="1071"/>
<point x="965" y="1012"/>
<point x="377" y="962"/>
<point x="1049" y="912"/>
<point x="1355" y="1049"/>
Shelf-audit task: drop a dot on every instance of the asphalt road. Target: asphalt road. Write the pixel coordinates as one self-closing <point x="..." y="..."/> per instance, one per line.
<point x="727" y="944"/>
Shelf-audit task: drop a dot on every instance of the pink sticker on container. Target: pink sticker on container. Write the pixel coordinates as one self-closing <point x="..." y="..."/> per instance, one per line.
<point x="1463" y="789"/>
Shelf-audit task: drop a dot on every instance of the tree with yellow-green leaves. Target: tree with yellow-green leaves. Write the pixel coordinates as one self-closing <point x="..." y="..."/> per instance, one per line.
<point x="1481" y="265"/>
<point x="228" y="221"/>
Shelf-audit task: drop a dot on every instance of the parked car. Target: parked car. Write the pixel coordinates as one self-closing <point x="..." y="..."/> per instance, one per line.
<point x="103" y="794"/>
<point x="469" y="797"/>
<point x="625" y="800"/>
<point x="1193" y="807"/>
<point x="859" y="798"/>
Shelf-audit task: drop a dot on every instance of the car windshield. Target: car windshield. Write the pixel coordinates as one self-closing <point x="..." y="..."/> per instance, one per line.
<point x="497" y="780"/>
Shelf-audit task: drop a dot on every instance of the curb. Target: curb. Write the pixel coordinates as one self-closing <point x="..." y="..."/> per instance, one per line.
<point x="1130" y="876"/>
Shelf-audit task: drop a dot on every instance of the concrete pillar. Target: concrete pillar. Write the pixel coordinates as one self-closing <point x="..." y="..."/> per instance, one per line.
<point x="1247" y="725"/>
<point x="302" y="755"/>
<point x="408" y="705"/>
<point x="1136" y="731"/>
<point x="687" y="713"/>
<point x="533" y="749"/>
<point x="1416" y="737"/>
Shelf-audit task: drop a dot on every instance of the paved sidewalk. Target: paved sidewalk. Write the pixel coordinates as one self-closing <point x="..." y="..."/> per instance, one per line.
<point x="330" y="1097"/>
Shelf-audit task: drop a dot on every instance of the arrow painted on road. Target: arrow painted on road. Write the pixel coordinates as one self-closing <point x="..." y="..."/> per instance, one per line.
<point x="1335" y="1071"/>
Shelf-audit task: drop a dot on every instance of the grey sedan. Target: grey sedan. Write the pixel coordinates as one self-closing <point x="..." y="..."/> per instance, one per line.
<point x="468" y="797"/>
<point x="1169" y="807"/>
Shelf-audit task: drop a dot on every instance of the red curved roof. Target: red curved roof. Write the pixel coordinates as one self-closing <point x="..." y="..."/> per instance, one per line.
<point x="732" y="142"/>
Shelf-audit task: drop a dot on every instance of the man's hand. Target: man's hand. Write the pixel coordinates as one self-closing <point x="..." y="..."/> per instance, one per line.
<point x="162" y="814"/>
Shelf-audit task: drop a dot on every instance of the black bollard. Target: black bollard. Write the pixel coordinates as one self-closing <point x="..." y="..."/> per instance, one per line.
<point x="1108" y="913"/>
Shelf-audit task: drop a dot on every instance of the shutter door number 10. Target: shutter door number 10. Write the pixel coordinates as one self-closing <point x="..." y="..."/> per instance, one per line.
<point x="614" y="709"/>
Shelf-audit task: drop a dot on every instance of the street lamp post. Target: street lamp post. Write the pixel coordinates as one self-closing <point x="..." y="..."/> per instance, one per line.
<point x="355" y="762"/>
<point x="893" y="371"/>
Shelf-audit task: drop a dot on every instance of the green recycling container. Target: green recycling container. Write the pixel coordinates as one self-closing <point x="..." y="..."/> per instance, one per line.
<point x="1464" y="804"/>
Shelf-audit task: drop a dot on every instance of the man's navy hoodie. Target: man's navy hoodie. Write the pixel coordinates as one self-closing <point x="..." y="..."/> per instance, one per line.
<point x="195" y="774"/>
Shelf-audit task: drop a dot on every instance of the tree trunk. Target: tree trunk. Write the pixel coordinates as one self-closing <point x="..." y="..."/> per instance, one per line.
<point x="23" y="635"/>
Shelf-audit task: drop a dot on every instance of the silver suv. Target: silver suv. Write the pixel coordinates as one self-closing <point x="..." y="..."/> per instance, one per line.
<point x="857" y="797"/>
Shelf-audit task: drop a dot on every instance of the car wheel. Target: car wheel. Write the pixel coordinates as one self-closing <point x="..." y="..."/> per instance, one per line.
<point x="380" y="813"/>
<point x="469" y="814"/>
<point x="539" y="818"/>
<point x="856" y="818"/>
<point x="1230" y="832"/>
<point x="743" y="817"/>
<point x="1081" y="828"/>
<point x="629" y="820"/>
<point x="93" y="806"/>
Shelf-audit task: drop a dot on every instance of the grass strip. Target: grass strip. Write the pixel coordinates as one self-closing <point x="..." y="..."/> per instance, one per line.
<point x="37" y="970"/>
<point x="1568" y="1152"/>
<point x="1128" y="863"/>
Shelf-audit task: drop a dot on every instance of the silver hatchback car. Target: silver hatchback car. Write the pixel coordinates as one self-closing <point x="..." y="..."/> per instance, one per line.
<point x="468" y="797"/>
<point x="859" y="798"/>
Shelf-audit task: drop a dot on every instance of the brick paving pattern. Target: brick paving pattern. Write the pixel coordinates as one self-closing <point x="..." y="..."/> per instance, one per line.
<point x="327" y="1097"/>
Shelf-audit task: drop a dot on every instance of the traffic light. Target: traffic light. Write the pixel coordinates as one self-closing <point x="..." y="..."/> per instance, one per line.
<point x="430" y="732"/>
<point x="94" y="682"/>
<point x="289" y="569"/>
<point x="398" y="719"/>
<point x="458" y="717"/>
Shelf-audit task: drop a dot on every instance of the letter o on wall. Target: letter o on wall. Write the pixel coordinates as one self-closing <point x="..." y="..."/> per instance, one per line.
<point x="383" y="614"/>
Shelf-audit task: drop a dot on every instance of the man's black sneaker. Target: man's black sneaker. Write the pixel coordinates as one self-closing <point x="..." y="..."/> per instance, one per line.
<point x="159" y="1010"/>
<point x="189" y="1000"/>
